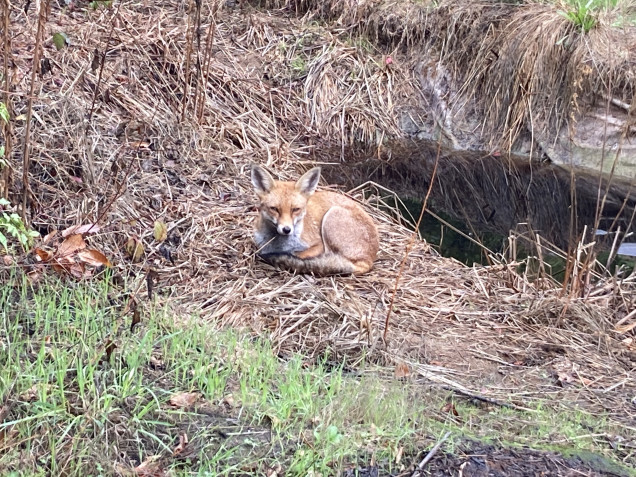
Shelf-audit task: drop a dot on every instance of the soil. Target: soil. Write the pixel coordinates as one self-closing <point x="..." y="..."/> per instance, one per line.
<point x="477" y="459"/>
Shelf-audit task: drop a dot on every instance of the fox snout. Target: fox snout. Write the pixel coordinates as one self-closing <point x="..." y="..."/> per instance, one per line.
<point x="284" y="229"/>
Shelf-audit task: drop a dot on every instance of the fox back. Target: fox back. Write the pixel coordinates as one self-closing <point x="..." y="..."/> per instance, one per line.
<point x="322" y="232"/>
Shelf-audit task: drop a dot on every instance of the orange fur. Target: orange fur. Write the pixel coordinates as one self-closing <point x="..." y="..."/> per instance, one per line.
<point x="322" y="232"/>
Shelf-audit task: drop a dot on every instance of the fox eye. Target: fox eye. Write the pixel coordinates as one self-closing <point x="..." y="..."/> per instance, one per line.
<point x="275" y="210"/>
<point x="295" y="210"/>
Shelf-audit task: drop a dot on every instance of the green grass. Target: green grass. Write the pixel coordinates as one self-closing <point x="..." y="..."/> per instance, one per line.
<point x="584" y="13"/>
<point x="83" y="394"/>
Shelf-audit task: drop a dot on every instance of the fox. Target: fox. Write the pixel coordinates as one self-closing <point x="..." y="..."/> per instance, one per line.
<point x="311" y="232"/>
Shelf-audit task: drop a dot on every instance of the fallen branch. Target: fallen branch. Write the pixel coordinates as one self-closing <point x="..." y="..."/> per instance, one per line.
<point x="430" y="455"/>
<point x="479" y="397"/>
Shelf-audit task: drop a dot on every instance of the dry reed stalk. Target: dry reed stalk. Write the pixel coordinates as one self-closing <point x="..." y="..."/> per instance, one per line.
<point x="188" y="58"/>
<point x="207" y="58"/>
<point x="198" y="66"/>
<point x="39" y="38"/>
<point x="5" y="128"/>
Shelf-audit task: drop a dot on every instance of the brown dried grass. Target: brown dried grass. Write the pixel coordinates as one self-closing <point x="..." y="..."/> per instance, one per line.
<point x="533" y="69"/>
<point x="135" y="162"/>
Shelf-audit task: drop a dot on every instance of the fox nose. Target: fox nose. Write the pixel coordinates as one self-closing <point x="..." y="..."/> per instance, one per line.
<point x="286" y="230"/>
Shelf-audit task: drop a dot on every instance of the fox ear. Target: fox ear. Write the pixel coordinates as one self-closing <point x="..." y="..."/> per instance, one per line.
<point x="262" y="180"/>
<point x="307" y="184"/>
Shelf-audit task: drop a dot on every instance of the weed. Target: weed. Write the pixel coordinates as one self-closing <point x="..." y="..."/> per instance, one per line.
<point x="4" y="112"/>
<point x="299" y="65"/>
<point x="583" y="12"/>
<point x="100" y="3"/>
<point x="11" y="224"/>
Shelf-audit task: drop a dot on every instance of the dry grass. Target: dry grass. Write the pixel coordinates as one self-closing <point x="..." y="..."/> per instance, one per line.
<point x="535" y="69"/>
<point x="279" y="88"/>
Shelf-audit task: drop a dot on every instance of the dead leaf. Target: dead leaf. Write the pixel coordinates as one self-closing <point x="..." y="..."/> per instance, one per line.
<point x="626" y="328"/>
<point x="7" y="260"/>
<point x="78" y="270"/>
<point x="48" y="237"/>
<point x="30" y="394"/>
<point x="134" y="249"/>
<point x="157" y="363"/>
<point x="183" y="400"/>
<point x="151" y="277"/>
<point x="160" y="231"/>
<point x="108" y="350"/>
<point x="72" y="244"/>
<point x="140" y="145"/>
<point x="43" y="255"/>
<point x="136" y="318"/>
<point x="402" y="370"/>
<point x="80" y="229"/>
<point x="449" y="408"/>
<point x="183" y="442"/>
<point x="151" y="467"/>
<point x="94" y="257"/>
<point x="228" y="400"/>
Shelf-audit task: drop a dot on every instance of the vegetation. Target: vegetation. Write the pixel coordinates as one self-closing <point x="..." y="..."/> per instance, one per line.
<point x="12" y="226"/>
<point x="86" y="393"/>
<point x="137" y="148"/>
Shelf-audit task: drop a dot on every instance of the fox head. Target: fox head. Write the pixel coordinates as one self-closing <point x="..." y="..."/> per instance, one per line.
<point x="283" y="204"/>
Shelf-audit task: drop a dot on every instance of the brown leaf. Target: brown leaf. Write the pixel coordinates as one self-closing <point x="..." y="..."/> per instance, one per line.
<point x="449" y="408"/>
<point x="626" y="328"/>
<point x="71" y="245"/>
<point x="151" y="467"/>
<point x="7" y="260"/>
<point x="48" y="237"/>
<point x="183" y="400"/>
<point x="30" y="394"/>
<point x="93" y="257"/>
<point x="81" y="229"/>
<point x="43" y="255"/>
<point x="136" y="318"/>
<point x="160" y="231"/>
<point x="183" y="442"/>
<point x="402" y="370"/>
<point x="140" y="145"/>
<point x="134" y="249"/>
<point x="78" y="270"/>
<point x="108" y="350"/>
<point x="228" y="400"/>
<point x="151" y="277"/>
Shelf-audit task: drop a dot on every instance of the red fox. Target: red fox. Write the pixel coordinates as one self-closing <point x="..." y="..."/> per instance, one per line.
<point x="324" y="233"/>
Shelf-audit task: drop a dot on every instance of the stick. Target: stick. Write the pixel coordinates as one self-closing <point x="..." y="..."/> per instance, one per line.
<point x="429" y="456"/>
<point x="479" y="397"/>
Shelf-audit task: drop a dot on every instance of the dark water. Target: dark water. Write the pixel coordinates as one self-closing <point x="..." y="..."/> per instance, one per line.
<point x="490" y="198"/>
<point x="452" y="238"/>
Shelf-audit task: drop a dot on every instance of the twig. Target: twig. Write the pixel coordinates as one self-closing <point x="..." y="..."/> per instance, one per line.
<point x="479" y="397"/>
<point x="189" y="40"/>
<point x="101" y="68"/>
<point x="430" y="455"/>
<point x="207" y="60"/>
